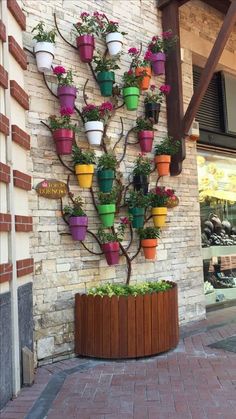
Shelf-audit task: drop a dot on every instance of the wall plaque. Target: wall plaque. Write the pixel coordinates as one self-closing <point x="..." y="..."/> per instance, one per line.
<point x="51" y="188"/>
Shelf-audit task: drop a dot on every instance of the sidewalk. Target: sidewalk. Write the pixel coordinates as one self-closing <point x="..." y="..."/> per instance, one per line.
<point x="193" y="381"/>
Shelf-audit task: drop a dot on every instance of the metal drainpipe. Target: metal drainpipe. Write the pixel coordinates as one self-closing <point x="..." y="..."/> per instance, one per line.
<point x="11" y="235"/>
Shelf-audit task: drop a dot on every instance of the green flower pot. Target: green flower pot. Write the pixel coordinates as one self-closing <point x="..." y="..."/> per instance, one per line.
<point x="138" y="217"/>
<point x="105" y="180"/>
<point x="107" y="214"/>
<point x="131" y="97"/>
<point x="105" y="80"/>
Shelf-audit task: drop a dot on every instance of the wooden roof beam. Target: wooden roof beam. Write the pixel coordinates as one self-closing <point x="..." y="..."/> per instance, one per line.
<point x="161" y="4"/>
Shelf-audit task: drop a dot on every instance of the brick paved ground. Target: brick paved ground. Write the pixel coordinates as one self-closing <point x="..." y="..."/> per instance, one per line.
<point x="193" y="381"/>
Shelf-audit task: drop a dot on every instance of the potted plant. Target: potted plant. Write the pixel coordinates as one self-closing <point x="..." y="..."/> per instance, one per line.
<point x="137" y="203"/>
<point x="44" y="48"/>
<point x="106" y="167"/>
<point x="163" y="153"/>
<point x="105" y="75"/>
<point x="141" y="172"/>
<point x="95" y="117"/>
<point x="84" y="166"/>
<point x="63" y="131"/>
<point x="145" y="130"/>
<point x="110" y="241"/>
<point x="131" y="90"/>
<point x="148" y="237"/>
<point x="85" y="41"/>
<point x="159" y="46"/>
<point x="78" y="220"/>
<point x="158" y="201"/>
<point x="153" y="100"/>
<point x="142" y="67"/>
<point x="113" y="36"/>
<point x="65" y="91"/>
<point x="107" y="207"/>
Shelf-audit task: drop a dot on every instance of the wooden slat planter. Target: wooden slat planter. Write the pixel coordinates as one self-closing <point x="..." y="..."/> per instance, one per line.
<point x="126" y="327"/>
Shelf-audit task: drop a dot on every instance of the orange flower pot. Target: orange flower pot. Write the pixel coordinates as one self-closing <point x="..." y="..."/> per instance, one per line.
<point x="144" y="83"/>
<point x="149" y="248"/>
<point x="163" y="165"/>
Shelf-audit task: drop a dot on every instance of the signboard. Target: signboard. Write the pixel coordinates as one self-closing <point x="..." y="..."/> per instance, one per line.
<point x="51" y="188"/>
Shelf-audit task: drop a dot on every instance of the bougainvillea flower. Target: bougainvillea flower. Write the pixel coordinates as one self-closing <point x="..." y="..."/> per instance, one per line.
<point x="59" y="70"/>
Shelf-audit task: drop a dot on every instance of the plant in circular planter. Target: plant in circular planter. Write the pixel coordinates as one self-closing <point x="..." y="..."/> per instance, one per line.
<point x="141" y="172"/>
<point x="142" y="67"/>
<point x="45" y="47"/>
<point x="86" y="28"/>
<point x="145" y="130"/>
<point x="158" y="201"/>
<point x="106" y="167"/>
<point x="95" y="117"/>
<point x="65" y="91"/>
<point x="84" y="166"/>
<point x="78" y="220"/>
<point x="113" y="37"/>
<point x="131" y="90"/>
<point x="63" y="131"/>
<point x="105" y="75"/>
<point x="163" y="153"/>
<point x="159" y="46"/>
<point x="107" y="207"/>
<point x="137" y="203"/>
<point x="149" y="242"/>
<point x="153" y="100"/>
<point x="110" y="241"/>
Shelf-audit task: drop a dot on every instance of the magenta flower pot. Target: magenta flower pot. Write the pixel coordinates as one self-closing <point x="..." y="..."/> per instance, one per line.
<point x="111" y="252"/>
<point x="85" y="45"/>
<point x="63" y="139"/>
<point x="158" y="63"/>
<point x="78" y="227"/>
<point x="67" y="96"/>
<point x="146" y="141"/>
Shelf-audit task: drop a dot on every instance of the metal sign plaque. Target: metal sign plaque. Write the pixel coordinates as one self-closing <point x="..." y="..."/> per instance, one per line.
<point x="51" y="188"/>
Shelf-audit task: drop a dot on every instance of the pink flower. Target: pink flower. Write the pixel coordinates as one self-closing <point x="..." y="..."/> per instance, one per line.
<point x="165" y="88"/>
<point x="133" y="51"/>
<point x="66" y="111"/>
<point x="148" y="55"/>
<point x="106" y="106"/>
<point x="130" y="72"/>
<point x="152" y="87"/>
<point x="84" y="15"/>
<point x="124" y="220"/>
<point x="112" y="22"/>
<point x="167" y="34"/>
<point x="59" y="70"/>
<point x="88" y="108"/>
<point x="155" y="38"/>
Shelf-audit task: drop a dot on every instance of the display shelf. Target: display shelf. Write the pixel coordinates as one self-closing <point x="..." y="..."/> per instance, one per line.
<point x="209" y="252"/>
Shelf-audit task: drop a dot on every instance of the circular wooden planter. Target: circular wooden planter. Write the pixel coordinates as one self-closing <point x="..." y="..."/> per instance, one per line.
<point x="126" y="327"/>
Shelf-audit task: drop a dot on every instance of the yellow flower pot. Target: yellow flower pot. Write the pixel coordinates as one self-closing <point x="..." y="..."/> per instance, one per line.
<point x="159" y="216"/>
<point x="84" y="173"/>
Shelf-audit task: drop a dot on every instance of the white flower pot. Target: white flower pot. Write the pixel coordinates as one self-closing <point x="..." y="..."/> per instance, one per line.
<point x="44" y="52"/>
<point x="94" y="132"/>
<point x="114" y="41"/>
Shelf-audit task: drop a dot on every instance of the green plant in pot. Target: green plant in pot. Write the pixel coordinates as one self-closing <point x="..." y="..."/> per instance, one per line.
<point x="148" y="237"/>
<point x="105" y="72"/>
<point x="84" y="166"/>
<point x="106" y="167"/>
<point x="141" y="172"/>
<point x="163" y="152"/>
<point x="145" y="130"/>
<point x="44" y="48"/>
<point x="78" y="220"/>
<point x="110" y="241"/>
<point x="63" y="131"/>
<point x="107" y="207"/>
<point x="137" y="203"/>
<point x="131" y="90"/>
<point x="153" y="100"/>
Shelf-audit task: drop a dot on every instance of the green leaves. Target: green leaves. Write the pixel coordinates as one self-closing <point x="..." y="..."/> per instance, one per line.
<point x="83" y="157"/>
<point x="125" y="290"/>
<point x="107" y="161"/>
<point x="167" y="147"/>
<point x="42" y="35"/>
<point x="149" y="233"/>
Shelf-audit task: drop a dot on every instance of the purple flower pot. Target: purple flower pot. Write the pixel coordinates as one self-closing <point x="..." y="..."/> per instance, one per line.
<point x="67" y="95"/>
<point x="158" y="63"/>
<point x="146" y="140"/>
<point x="63" y="139"/>
<point x="78" y="227"/>
<point x="85" y="45"/>
<point x="111" y="251"/>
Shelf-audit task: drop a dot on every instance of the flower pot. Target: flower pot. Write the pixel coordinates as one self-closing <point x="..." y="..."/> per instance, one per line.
<point x="84" y="174"/>
<point x="158" y="63"/>
<point x="140" y="182"/>
<point x="105" y="80"/>
<point x="44" y="52"/>
<point x="63" y="139"/>
<point x="146" y="140"/>
<point x="105" y="180"/>
<point x="111" y="252"/>
<point x="78" y="227"/>
<point x="163" y="164"/>
<point x="114" y="41"/>
<point x="107" y="214"/>
<point x="149" y="248"/>
<point x="67" y="96"/>
<point x="146" y="72"/>
<point x="173" y="201"/>
<point x="85" y="45"/>
<point x="131" y="97"/>
<point x="152" y="111"/>
<point x="94" y="132"/>
<point x="138" y="217"/>
<point x="159" y="216"/>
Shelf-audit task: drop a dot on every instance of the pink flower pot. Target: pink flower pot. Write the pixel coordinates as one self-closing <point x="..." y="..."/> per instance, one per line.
<point x="67" y="96"/>
<point x="111" y="251"/>
<point x="85" y="45"/>
<point x="78" y="227"/>
<point x="63" y="139"/>
<point x="146" y="141"/>
<point x="158" y="63"/>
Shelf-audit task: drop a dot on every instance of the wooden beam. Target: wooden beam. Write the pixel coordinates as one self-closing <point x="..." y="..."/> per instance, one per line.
<point x="170" y="19"/>
<point x="163" y="3"/>
<point x="221" y="5"/>
<point x="210" y="67"/>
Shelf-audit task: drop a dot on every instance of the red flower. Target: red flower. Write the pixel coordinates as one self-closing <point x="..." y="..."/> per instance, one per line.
<point x="59" y="70"/>
<point x="133" y="51"/>
<point x="88" y="108"/>
<point x="130" y="72"/>
<point x="66" y="111"/>
<point x="155" y="38"/>
<point x="167" y="34"/>
<point x="165" y="88"/>
<point x="124" y="220"/>
<point x="152" y="87"/>
<point x="148" y="55"/>
<point x="106" y="106"/>
<point x="84" y="15"/>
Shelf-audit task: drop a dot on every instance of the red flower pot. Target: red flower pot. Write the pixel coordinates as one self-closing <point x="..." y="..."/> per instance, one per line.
<point x="111" y="251"/>
<point x="146" y="140"/>
<point x="85" y="45"/>
<point x="63" y="139"/>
